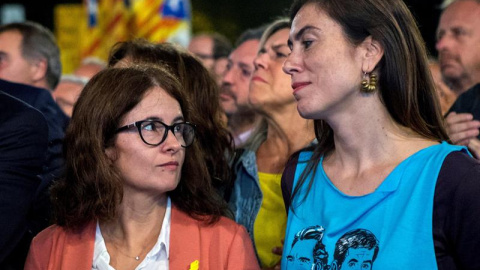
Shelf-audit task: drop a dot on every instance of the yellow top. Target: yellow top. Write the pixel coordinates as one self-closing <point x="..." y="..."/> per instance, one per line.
<point x="271" y="221"/>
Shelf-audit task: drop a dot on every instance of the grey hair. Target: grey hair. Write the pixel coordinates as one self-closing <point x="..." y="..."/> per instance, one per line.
<point x="92" y="60"/>
<point x="39" y="43"/>
<point x="74" y="79"/>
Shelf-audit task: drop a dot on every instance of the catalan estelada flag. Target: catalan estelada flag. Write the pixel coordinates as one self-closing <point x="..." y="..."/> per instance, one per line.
<point x="92" y="28"/>
<point x="162" y="20"/>
<point x="107" y="23"/>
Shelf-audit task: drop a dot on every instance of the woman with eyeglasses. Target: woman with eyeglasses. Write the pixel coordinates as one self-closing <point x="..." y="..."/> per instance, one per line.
<point x="201" y="89"/>
<point x="134" y="195"/>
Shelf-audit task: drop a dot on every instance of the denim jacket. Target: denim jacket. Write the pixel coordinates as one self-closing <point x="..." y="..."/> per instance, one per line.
<point x="246" y="197"/>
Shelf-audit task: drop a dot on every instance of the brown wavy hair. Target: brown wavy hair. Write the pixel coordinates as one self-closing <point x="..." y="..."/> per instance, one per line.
<point x="200" y="87"/>
<point x="92" y="188"/>
<point x="406" y="86"/>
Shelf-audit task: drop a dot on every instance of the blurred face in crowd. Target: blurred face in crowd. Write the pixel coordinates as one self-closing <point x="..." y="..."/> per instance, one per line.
<point x="270" y="86"/>
<point x="202" y="47"/>
<point x="144" y="167"/>
<point x="235" y="85"/>
<point x="458" y="39"/>
<point x="13" y="66"/>
<point x="88" y="70"/>
<point x="66" y="94"/>
<point x="219" y="69"/>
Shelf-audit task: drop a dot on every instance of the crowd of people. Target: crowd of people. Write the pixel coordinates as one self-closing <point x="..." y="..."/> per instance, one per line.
<point x="330" y="139"/>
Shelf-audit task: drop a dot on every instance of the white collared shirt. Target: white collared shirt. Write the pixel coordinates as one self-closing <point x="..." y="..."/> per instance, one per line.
<point x="157" y="258"/>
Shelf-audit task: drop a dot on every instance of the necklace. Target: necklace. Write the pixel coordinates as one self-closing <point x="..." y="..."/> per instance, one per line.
<point x="119" y="250"/>
<point x="111" y="242"/>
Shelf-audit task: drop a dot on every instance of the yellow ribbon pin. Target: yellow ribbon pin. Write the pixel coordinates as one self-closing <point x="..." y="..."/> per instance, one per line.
<point x="194" y="265"/>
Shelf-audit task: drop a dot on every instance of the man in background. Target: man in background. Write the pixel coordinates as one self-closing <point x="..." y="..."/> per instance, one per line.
<point x="68" y="91"/>
<point x="212" y="50"/>
<point x="29" y="55"/>
<point x="89" y="67"/>
<point x="241" y="118"/>
<point x="23" y="144"/>
<point x="458" y="45"/>
<point x="29" y="71"/>
<point x="458" y="39"/>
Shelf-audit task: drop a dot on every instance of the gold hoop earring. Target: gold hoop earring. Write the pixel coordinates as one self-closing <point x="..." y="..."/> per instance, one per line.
<point x="364" y="82"/>
<point x="369" y="87"/>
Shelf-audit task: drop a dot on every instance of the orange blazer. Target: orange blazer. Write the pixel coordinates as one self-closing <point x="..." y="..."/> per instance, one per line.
<point x="193" y="245"/>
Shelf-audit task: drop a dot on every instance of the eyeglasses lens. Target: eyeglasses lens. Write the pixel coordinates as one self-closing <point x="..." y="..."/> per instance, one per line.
<point x="154" y="132"/>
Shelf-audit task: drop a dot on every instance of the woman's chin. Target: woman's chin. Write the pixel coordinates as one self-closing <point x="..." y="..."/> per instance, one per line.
<point x="305" y="112"/>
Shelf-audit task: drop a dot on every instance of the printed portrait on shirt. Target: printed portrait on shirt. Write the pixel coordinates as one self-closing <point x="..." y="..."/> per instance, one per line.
<point x="307" y="250"/>
<point x="356" y="249"/>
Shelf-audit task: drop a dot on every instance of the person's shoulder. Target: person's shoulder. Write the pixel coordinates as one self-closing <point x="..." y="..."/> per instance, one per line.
<point x="54" y="231"/>
<point x="24" y="92"/>
<point x="460" y="161"/>
<point x="473" y="92"/>
<point x="19" y="114"/>
<point x="44" y="239"/>
<point x="467" y="101"/>
<point x="12" y="104"/>
<point x="222" y="227"/>
<point x="459" y="172"/>
<point x="42" y="246"/>
<point x="57" y="246"/>
<point x="227" y="225"/>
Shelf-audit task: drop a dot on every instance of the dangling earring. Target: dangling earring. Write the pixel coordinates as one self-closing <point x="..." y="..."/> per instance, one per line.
<point x="369" y="87"/>
<point x="364" y="82"/>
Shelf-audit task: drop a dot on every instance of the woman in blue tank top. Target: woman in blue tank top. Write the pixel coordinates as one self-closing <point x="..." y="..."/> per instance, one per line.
<point x="383" y="189"/>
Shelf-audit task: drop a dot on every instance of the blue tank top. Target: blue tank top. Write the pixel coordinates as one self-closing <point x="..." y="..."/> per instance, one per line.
<point x="390" y="228"/>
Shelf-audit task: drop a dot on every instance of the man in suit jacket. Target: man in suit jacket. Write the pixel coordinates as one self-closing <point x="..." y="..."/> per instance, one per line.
<point x="30" y="55"/>
<point x="29" y="69"/>
<point x="23" y="148"/>
<point x="57" y="121"/>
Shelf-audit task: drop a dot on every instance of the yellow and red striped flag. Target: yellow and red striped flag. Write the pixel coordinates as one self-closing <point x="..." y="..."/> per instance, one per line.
<point x="107" y="23"/>
<point x="162" y="20"/>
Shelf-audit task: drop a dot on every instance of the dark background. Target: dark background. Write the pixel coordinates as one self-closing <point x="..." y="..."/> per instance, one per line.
<point x="231" y="17"/>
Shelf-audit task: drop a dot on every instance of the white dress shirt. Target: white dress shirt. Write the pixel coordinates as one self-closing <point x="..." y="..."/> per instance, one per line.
<point x="157" y="258"/>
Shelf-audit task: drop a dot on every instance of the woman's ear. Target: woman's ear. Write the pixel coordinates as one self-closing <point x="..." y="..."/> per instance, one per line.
<point x="111" y="153"/>
<point x="373" y="54"/>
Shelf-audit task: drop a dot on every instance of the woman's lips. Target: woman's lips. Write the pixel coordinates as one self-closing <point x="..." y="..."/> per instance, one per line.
<point x="299" y="85"/>
<point x="259" y="79"/>
<point x="172" y="165"/>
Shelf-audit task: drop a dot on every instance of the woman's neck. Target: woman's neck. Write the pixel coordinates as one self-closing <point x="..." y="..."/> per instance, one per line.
<point x="370" y="133"/>
<point x="288" y="129"/>
<point x="287" y="133"/>
<point x="135" y="230"/>
<point x="138" y="210"/>
<point x="369" y="144"/>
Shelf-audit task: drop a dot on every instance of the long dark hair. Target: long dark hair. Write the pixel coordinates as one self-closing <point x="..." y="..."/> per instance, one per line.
<point x="200" y="87"/>
<point x="92" y="188"/>
<point x="405" y="84"/>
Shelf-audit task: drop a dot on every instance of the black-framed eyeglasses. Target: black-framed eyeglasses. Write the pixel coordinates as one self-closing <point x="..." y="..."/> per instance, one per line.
<point x="154" y="132"/>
